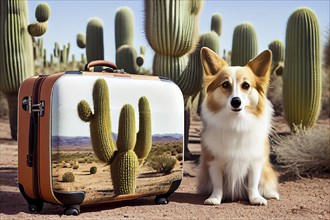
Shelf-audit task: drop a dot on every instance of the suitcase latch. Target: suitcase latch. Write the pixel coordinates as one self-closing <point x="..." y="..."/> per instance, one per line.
<point x="33" y="108"/>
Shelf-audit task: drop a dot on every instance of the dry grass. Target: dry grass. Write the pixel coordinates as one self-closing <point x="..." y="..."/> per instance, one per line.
<point x="305" y="152"/>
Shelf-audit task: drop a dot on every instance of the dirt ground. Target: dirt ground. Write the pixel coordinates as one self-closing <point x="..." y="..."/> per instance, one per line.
<point x="307" y="198"/>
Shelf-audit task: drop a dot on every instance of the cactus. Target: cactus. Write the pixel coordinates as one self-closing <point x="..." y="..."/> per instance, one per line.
<point x="93" y="170"/>
<point x="277" y="49"/>
<point x="169" y="36"/>
<point x="144" y="137"/>
<point x="68" y="177"/>
<point x="216" y="24"/>
<point x="302" y="86"/>
<point x="124" y="161"/>
<point x="40" y="27"/>
<point x="94" y="40"/>
<point x="16" y="54"/>
<point x="126" y="58"/>
<point x="245" y="44"/>
<point x="124" y="168"/>
<point x="124" y="27"/>
<point x="100" y="121"/>
<point x="81" y="40"/>
<point x="42" y="12"/>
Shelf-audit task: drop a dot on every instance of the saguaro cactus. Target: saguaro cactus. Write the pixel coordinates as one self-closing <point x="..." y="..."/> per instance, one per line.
<point x="245" y="44"/>
<point x="131" y="147"/>
<point x="277" y="49"/>
<point x="173" y="39"/>
<point x="94" y="40"/>
<point x="16" y="53"/>
<point x="302" y="86"/>
<point x="124" y="27"/>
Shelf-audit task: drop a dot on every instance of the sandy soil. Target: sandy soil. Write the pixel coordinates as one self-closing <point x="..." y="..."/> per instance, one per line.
<point x="300" y="199"/>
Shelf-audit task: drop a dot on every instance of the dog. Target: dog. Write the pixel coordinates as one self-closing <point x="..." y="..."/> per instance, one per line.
<point x="236" y="114"/>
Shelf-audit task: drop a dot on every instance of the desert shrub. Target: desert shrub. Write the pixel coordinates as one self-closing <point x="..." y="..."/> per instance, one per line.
<point x="163" y="163"/>
<point x="68" y="177"/>
<point x="179" y="157"/>
<point x="76" y="166"/>
<point x="93" y="170"/>
<point x="305" y="152"/>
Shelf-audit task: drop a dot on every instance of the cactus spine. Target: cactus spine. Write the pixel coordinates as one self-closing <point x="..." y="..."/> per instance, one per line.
<point x="245" y="44"/>
<point x="302" y="86"/>
<point x="124" y="161"/>
<point x="94" y="40"/>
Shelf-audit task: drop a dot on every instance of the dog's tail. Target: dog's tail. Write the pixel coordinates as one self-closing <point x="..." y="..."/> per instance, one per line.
<point x="268" y="182"/>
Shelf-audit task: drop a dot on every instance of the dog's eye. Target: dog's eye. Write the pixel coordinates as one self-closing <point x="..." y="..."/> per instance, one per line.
<point x="245" y="85"/>
<point x="225" y="85"/>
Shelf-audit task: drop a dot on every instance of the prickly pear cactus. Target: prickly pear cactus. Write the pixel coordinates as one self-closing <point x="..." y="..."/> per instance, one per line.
<point x="302" y="86"/>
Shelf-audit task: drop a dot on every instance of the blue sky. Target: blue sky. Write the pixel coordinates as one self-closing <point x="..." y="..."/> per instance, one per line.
<point x="69" y="17"/>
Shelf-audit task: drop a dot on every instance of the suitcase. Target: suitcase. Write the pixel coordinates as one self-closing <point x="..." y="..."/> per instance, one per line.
<point x="97" y="136"/>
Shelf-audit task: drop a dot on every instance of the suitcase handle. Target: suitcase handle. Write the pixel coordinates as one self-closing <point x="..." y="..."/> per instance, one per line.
<point x="100" y="66"/>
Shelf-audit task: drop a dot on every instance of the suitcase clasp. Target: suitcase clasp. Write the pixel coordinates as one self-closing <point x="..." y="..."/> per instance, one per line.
<point x="27" y="105"/>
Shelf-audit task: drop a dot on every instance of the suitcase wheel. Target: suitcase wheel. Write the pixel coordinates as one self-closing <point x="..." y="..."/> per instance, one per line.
<point x="159" y="200"/>
<point x="72" y="210"/>
<point x="36" y="207"/>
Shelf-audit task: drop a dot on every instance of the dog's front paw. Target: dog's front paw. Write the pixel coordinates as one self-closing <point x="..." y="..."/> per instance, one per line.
<point x="212" y="201"/>
<point x="258" y="200"/>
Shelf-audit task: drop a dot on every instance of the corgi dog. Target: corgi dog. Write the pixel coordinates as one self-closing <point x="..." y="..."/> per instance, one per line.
<point x="236" y="115"/>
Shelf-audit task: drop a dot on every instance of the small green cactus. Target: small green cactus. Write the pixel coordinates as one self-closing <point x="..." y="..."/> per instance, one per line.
<point x="93" y="170"/>
<point x="68" y="177"/>
<point x="277" y="49"/>
<point x="126" y="58"/>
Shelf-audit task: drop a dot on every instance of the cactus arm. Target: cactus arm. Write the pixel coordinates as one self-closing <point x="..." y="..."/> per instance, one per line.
<point x="144" y="136"/>
<point x="84" y="111"/>
<point x="126" y="130"/>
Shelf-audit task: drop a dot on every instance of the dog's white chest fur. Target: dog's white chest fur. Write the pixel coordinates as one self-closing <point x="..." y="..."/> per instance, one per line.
<point x="237" y="141"/>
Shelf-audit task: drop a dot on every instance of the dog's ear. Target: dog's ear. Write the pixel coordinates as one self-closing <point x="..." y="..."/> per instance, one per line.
<point x="211" y="62"/>
<point x="260" y="65"/>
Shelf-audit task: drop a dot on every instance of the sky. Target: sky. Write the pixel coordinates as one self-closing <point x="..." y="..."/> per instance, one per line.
<point x="165" y="99"/>
<point x="69" y="17"/>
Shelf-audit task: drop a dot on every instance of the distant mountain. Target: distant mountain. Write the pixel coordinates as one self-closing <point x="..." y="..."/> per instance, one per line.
<point x="86" y="141"/>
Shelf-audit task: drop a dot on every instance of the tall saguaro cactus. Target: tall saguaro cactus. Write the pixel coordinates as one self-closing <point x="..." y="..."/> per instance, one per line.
<point x="245" y="44"/>
<point x="94" y="40"/>
<point x="172" y="32"/>
<point x="302" y="86"/>
<point x="131" y="147"/>
<point x="124" y="27"/>
<point x="277" y="49"/>
<point x="16" y="53"/>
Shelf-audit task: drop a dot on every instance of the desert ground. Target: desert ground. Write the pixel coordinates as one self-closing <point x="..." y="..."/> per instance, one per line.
<point x="307" y="198"/>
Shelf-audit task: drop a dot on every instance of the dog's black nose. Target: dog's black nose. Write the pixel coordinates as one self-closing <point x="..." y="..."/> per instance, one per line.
<point x="235" y="102"/>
